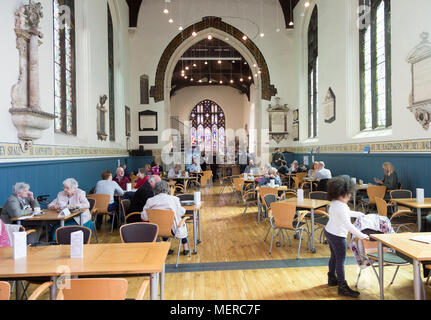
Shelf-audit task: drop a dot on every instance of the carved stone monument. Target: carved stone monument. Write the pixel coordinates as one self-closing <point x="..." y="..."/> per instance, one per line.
<point x="278" y="121"/>
<point x="420" y="98"/>
<point x="101" y="115"/>
<point x="26" y="112"/>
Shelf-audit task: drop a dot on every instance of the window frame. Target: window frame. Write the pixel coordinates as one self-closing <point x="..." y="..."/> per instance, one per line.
<point x="111" y="75"/>
<point x="312" y="74"/>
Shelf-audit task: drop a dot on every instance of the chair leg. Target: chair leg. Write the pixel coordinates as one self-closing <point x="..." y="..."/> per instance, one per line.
<point x="113" y="220"/>
<point x="299" y="246"/>
<point x="267" y="233"/>
<point x="272" y="239"/>
<point x="24" y="294"/>
<point x="393" y="278"/>
<point x="246" y="207"/>
<point x="428" y="278"/>
<point x="95" y="228"/>
<point x="178" y="254"/>
<point x="359" y="275"/>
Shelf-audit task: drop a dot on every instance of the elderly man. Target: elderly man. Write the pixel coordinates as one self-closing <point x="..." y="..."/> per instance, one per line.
<point x="271" y="175"/>
<point x="22" y="203"/>
<point x="323" y="173"/>
<point x="252" y="169"/>
<point x="175" y="172"/>
<point x="195" y="167"/>
<point x="145" y="192"/>
<point x="163" y="201"/>
<point x="121" y="179"/>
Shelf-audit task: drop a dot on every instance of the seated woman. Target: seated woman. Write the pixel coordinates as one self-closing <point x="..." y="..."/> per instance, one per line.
<point x="72" y="197"/>
<point x="155" y="169"/>
<point x="313" y="170"/>
<point x="175" y="172"/>
<point x="163" y="201"/>
<point x="21" y="203"/>
<point x="390" y="180"/>
<point x="271" y="175"/>
<point x="142" y="178"/>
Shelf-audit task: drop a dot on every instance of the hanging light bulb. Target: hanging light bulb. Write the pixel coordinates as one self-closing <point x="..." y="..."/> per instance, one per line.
<point x="255" y="75"/>
<point x="249" y="78"/>
<point x="255" y="65"/>
<point x="262" y="34"/>
<point x="307" y="4"/>
<point x="166" y="11"/>
<point x="210" y="37"/>
<point x="231" y="80"/>
<point x="191" y="79"/>
<point x="241" y="79"/>
<point x="171" y="20"/>
<point x="210" y="81"/>
<point x="219" y="62"/>
<point x="194" y="34"/>
<point x="206" y="62"/>
<point x="194" y="65"/>
<point x="185" y="77"/>
<point x="187" y="68"/>
<point x="221" y="81"/>
<point x="181" y="28"/>
<point x="200" y="81"/>
<point x="291" y="23"/>
<point x="244" y="37"/>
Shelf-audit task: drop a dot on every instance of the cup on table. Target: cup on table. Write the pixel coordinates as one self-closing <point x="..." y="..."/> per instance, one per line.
<point x="36" y="210"/>
<point x="361" y="182"/>
<point x="129" y="187"/>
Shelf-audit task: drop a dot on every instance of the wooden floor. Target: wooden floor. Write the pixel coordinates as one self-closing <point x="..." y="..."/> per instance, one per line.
<point x="227" y="237"/>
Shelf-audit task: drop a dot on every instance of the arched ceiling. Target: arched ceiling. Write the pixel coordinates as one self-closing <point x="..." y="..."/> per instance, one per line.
<point x="135" y="5"/>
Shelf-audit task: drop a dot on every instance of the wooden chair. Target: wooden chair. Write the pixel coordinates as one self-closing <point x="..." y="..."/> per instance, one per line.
<point x="399" y="194"/>
<point x="93" y="212"/>
<point x="139" y="232"/>
<point x="321" y="217"/>
<point x="249" y="198"/>
<point x="283" y="219"/>
<point x="125" y="208"/>
<point x="133" y="218"/>
<point x="207" y="176"/>
<point x="92" y="289"/>
<point x="372" y="192"/>
<point x="238" y="184"/>
<point x="226" y="182"/>
<point x="165" y="219"/>
<point x="62" y="234"/>
<point x="400" y="219"/>
<point x="101" y="206"/>
<point x="263" y="191"/>
<point x="4" y="290"/>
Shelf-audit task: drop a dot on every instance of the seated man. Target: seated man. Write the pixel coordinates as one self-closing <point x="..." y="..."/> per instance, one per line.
<point x="252" y="169"/>
<point x="283" y="169"/>
<point x="322" y="172"/>
<point x="121" y="179"/>
<point x="22" y="203"/>
<point x="108" y="186"/>
<point x="163" y="201"/>
<point x="175" y="172"/>
<point x="271" y="175"/>
<point x="277" y="158"/>
<point x="145" y="192"/>
<point x="195" y="167"/>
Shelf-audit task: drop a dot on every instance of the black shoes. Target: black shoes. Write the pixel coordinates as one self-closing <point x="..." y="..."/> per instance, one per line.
<point x="344" y="290"/>
<point x="186" y="252"/>
<point x="170" y="251"/>
<point x="332" y="280"/>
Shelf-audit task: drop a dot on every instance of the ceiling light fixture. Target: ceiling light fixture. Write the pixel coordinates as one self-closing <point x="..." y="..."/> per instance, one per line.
<point x="221" y="82"/>
<point x="262" y="34"/>
<point x="244" y="37"/>
<point x="307" y="4"/>
<point x="171" y="20"/>
<point x="241" y="80"/>
<point x="219" y="62"/>
<point x="166" y="11"/>
<point x="194" y="34"/>
<point x="206" y="62"/>
<point x="231" y="81"/>
<point x="210" y="37"/>
<point x="181" y="28"/>
<point x="187" y="68"/>
<point x="194" y="65"/>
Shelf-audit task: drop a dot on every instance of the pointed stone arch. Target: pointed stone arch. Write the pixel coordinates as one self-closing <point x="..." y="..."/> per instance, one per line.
<point x="158" y="90"/>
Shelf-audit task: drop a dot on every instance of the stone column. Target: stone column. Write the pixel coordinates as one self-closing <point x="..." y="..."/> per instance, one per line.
<point x="33" y="71"/>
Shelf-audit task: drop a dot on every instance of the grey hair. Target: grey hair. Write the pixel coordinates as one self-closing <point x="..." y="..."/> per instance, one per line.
<point x="20" y="187"/>
<point x="272" y="171"/>
<point x="322" y="163"/>
<point x="161" y="187"/>
<point x="71" y="183"/>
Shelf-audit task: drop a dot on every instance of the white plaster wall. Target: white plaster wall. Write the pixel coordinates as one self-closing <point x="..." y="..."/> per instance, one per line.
<point x="154" y="33"/>
<point x="91" y="69"/>
<point x="339" y="69"/>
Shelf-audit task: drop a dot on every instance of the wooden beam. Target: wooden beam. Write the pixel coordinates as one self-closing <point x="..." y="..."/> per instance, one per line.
<point x="134" y="8"/>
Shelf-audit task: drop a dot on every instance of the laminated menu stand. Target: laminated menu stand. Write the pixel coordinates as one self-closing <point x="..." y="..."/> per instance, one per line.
<point x="77" y="244"/>
<point x="420" y="195"/>
<point x="300" y="195"/>
<point x="19" y="245"/>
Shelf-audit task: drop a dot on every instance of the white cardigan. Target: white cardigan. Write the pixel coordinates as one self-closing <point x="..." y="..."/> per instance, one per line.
<point x="164" y="201"/>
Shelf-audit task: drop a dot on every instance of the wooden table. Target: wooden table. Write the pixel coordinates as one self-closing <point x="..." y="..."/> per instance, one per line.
<point x="114" y="259"/>
<point x="311" y="205"/>
<point x="50" y="215"/>
<point x="412" y="203"/>
<point x="196" y="224"/>
<point x="311" y="180"/>
<point x="184" y="179"/>
<point x="415" y="250"/>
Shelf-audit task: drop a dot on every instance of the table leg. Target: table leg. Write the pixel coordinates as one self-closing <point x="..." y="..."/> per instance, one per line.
<point x="18" y="222"/>
<point x="18" y="289"/>
<point x="62" y="223"/>
<point x="53" y="289"/>
<point x="381" y="282"/>
<point x="417" y="279"/>
<point x="259" y="208"/>
<point x="419" y="213"/>
<point x="313" y="249"/>
<point x="153" y="286"/>
<point x="199" y="225"/>
<point x="195" y="233"/>
<point x="162" y="283"/>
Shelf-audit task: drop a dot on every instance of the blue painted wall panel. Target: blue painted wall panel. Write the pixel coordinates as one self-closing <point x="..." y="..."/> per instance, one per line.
<point x="46" y="177"/>
<point x="414" y="170"/>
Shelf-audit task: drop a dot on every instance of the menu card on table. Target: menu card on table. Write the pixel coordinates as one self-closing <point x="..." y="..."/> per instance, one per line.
<point x="129" y="187"/>
<point x="300" y="195"/>
<point x="19" y="245"/>
<point x="420" y="195"/>
<point x="64" y="213"/>
<point x="77" y="244"/>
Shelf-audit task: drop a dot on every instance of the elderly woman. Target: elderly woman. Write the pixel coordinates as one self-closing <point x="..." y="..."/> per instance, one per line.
<point x="72" y="197"/>
<point x="163" y="201"/>
<point x="390" y="180"/>
<point x="271" y="175"/>
<point x="22" y="203"/>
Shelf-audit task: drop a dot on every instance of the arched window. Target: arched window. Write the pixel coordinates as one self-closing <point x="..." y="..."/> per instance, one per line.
<point x="313" y="75"/>
<point x="64" y="67"/>
<point x="111" y="77"/>
<point x="375" y="65"/>
<point x="208" y="127"/>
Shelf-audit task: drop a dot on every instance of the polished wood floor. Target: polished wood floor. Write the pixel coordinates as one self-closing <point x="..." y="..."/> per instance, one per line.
<point x="227" y="237"/>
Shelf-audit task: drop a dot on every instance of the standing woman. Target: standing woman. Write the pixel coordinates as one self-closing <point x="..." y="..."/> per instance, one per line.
<point x="390" y="180"/>
<point x="71" y="196"/>
<point x="339" y="225"/>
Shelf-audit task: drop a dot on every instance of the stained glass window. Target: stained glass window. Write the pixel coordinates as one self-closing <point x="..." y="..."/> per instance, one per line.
<point x="313" y="74"/>
<point x="64" y="67"/>
<point x="208" y="127"/>
<point x="375" y="66"/>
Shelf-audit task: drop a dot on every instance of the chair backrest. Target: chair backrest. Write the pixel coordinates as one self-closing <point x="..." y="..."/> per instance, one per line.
<point x="125" y="205"/>
<point x="382" y="207"/>
<point x="102" y="202"/>
<point x="94" y="289"/>
<point x="4" y="290"/>
<point x="264" y="191"/>
<point x="270" y="198"/>
<point x="318" y="195"/>
<point x="297" y="182"/>
<point x="290" y="194"/>
<point x="401" y="194"/>
<point x="186" y="197"/>
<point x="63" y="234"/>
<point x="139" y="232"/>
<point x="323" y="185"/>
<point x="283" y="214"/>
<point x="164" y="219"/>
<point x="133" y="217"/>
<point x="92" y="203"/>
<point x="238" y="184"/>
<point x="375" y="191"/>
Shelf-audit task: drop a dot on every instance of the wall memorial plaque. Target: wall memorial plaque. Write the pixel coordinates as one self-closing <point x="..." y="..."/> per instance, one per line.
<point x="329" y="107"/>
<point x="148" y="121"/>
